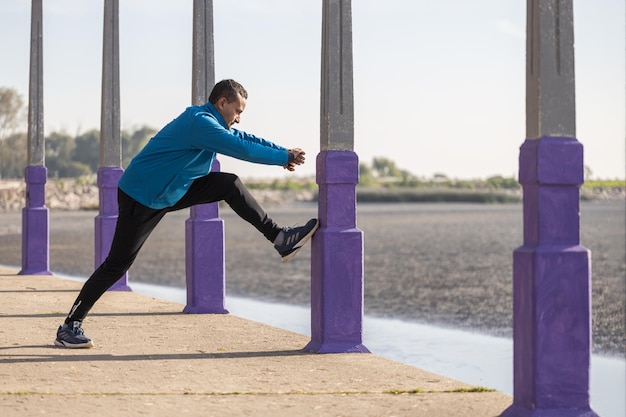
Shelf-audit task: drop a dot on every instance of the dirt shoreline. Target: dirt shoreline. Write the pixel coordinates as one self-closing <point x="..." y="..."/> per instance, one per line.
<point x="440" y="264"/>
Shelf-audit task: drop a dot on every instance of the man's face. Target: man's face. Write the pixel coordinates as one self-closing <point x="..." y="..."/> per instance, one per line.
<point x="231" y="111"/>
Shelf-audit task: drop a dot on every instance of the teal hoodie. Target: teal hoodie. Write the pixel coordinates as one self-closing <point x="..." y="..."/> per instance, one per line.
<point x="162" y="172"/>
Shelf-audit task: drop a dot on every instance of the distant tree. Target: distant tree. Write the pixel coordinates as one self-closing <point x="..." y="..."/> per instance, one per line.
<point x="510" y="182"/>
<point x="366" y="175"/>
<point x="499" y="182"/>
<point x="58" y="145"/>
<point x="87" y="149"/>
<point x="463" y="184"/>
<point x="87" y="146"/>
<point x="12" y="114"/>
<point x="364" y="170"/>
<point x="65" y="156"/>
<point x="59" y="150"/>
<point x="495" y="182"/>
<point x="13" y="156"/>
<point x="385" y="168"/>
<point x="408" y="179"/>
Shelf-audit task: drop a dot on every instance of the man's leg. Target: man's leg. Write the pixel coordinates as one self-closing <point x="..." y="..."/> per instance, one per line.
<point x="217" y="186"/>
<point x="134" y="224"/>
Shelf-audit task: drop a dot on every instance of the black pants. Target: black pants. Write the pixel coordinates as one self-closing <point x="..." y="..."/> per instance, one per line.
<point x="136" y="221"/>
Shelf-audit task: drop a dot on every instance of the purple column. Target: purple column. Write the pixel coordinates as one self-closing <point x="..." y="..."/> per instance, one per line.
<point x="337" y="259"/>
<point x="110" y="169"/>
<point x="204" y="259"/>
<point x="552" y="286"/>
<point x="337" y="246"/>
<point x="204" y="231"/>
<point x="35" y="231"/>
<point x="551" y="270"/>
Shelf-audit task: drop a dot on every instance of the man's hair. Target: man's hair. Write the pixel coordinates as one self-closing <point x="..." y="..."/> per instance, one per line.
<point x="228" y="89"/>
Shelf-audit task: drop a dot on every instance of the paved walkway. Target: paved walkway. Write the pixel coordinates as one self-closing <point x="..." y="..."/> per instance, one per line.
<point x="150" y="359"/>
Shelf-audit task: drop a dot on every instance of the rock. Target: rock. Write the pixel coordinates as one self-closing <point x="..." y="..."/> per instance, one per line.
<point x="61" y="194"/>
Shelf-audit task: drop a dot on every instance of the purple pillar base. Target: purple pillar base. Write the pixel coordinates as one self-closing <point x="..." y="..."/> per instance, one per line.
<point x="35" y="242"/>
<point x="337" y="259"/>
<point x="551" y="287"/>
<point x="335" y="347"/>
<point x="205" y="271"/>
<point x="337" y="292"/>
<point x="552" y="352"/>
<point x="35" y="219"/>
<point x="517" y="411"/>
<point x="105" y="222"/>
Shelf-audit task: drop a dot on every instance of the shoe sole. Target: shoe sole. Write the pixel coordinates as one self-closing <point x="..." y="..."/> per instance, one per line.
<point x="61" y="343"/>
<point x="303" y="242"/>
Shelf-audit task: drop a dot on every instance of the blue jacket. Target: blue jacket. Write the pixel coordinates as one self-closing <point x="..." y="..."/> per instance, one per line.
<point x="162" y="172"/>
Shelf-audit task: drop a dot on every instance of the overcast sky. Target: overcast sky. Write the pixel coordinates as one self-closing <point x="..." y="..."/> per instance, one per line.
<point x="439" y="85"/>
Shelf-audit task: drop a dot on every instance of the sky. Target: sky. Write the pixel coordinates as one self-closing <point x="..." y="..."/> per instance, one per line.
<point x="439" y="86"/>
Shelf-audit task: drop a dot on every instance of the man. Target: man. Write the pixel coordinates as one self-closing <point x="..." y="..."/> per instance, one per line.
<point x="172" y="172"/>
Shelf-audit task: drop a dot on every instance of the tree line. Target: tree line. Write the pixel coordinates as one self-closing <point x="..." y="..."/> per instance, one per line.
<point x="66" y="156"/>
<point x="384" y="172"/>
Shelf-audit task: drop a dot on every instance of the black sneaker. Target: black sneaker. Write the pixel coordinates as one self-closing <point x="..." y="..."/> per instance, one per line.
<point x="72" y="336"/>
<point x="295" y="238"/>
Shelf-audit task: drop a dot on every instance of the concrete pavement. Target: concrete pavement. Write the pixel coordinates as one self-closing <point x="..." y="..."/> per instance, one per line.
<point x="150" y="359"/>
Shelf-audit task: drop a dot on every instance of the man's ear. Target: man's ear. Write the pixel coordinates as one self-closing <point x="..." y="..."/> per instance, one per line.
<point x="221" y="102"/>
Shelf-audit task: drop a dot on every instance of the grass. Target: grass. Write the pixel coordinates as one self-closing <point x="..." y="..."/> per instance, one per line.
<point x="244" y="393"/>
<point x="456" y="390"/>
<point x="421" y="195"/>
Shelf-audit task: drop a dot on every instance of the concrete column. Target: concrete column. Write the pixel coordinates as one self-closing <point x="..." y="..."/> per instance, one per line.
<point x="337" y="247"/>
<point x="203" y="55"/>
<point x="551" y="270"/>
<point x="204" y="230"/>
<point x="35" y="216"/>
<point x="110" y="169"/>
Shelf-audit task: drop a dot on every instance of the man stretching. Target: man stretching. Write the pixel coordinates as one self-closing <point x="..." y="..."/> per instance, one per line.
<point x="173" y="172"/>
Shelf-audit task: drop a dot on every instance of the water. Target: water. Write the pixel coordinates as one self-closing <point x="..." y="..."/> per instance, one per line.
<point x="469" y="357"/>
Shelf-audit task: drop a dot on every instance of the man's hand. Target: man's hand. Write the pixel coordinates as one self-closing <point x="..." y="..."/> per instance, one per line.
<point x="296" y="157"/>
